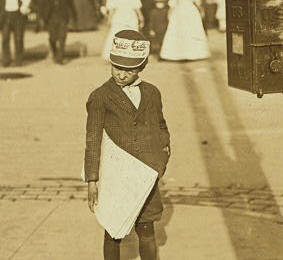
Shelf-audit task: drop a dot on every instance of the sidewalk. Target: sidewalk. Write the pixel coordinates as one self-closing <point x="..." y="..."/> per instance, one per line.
<point x="223" y="190"/>
<point x="67" y="230"/>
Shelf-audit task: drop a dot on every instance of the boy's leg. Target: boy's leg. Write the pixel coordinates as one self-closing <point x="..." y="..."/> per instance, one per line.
<point x="147" y="243"/>
<point x="111" y="248"/>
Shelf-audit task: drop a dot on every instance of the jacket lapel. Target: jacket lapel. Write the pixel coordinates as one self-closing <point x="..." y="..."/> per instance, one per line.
<point x="145" y="98"/>
<point x="118" y="96"/>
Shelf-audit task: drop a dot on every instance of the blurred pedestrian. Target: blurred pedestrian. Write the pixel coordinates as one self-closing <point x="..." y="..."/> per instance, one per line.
<point x="13" y="18"/>
<point x="185" y="38"/>
<point x="34" y="17"/>
<point x="221" y="15"/>
<point x="210" y="8"/>
<point x="130" y="112"/>
<point x="158" y="23"/>
<point x="87" y="15"/>
<point x="147" y="6"/>
<point x="56" y="14"/>
<point x="122" y="15"/>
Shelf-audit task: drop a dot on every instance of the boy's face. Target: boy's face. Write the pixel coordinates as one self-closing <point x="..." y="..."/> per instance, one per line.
<point x="123" y="76"/>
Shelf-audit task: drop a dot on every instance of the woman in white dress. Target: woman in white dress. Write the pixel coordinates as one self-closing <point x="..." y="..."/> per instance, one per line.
<point x="185" y="38"/>
<point x="122" y="15"/>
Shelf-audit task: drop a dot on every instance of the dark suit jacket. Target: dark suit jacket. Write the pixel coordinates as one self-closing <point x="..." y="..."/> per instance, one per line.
<point x="141" y="132"/>
<point x="2" y="12"/>
<point x="55" y="9"/>
<point x="2" y="6"/>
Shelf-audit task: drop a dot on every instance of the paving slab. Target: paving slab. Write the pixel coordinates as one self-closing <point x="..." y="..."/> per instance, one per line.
<point x="67" y="230"/>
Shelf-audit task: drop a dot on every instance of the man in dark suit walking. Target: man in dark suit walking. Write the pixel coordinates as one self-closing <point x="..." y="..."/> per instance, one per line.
<point x="13" y="16"/>
<point x="147" y="6"/>
<point x="56" y="15"/>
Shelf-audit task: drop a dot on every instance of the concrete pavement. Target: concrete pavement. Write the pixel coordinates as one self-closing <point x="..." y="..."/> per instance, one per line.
<point x="223" y="189"/>
<point x="66" y="230"/>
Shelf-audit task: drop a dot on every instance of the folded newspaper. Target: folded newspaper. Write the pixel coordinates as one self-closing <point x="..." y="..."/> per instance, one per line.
<point x="124" y="185"/>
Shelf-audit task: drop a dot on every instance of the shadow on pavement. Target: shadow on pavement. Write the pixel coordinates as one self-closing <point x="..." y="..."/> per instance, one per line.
<point x="14" y="75"/>
<point x="160" y="226"/>
<point x="40" y="52"/>
<point x="75" y="50"/>
<point x="130" y="246"/>
<point x="250" y="238"/>
<point x="36" y="53"/>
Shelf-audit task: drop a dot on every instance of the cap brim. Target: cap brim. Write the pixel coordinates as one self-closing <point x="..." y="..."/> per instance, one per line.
<point x="126" y="62"/>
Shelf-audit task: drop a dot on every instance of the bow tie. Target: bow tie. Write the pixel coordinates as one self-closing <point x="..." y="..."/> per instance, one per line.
<point x="134" y="84"/>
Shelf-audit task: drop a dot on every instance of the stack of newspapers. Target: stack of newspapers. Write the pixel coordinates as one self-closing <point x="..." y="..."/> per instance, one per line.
<point x="124" y="185"/>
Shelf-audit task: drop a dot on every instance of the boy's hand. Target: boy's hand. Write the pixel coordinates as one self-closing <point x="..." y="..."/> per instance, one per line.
<point x="92" y="195"/>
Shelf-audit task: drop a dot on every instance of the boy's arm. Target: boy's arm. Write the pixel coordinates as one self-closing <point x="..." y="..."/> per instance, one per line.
<point x="165" y="136"/>
<point x="94" y="131"/>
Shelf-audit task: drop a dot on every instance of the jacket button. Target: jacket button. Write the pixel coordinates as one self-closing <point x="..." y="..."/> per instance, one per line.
<point x="135" y="123"/>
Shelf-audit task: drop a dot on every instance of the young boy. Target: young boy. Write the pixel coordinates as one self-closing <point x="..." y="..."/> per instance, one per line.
<point x="130" y="111"/>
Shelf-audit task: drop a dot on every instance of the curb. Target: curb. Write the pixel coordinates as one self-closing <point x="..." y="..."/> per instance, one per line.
<point x="254" y="202"/>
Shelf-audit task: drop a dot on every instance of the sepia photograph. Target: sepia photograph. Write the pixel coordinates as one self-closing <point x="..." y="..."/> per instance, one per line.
<point x="141" y="130"/>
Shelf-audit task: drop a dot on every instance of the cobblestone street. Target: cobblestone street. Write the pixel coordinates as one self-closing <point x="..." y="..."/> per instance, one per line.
<point x="262" y="202"/>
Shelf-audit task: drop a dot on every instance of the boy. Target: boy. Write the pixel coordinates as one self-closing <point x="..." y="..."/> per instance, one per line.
<point x="130" y="111"/>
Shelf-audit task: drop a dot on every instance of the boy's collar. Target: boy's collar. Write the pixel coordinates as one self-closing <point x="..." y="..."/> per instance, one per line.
<point x="135" y="83"/>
